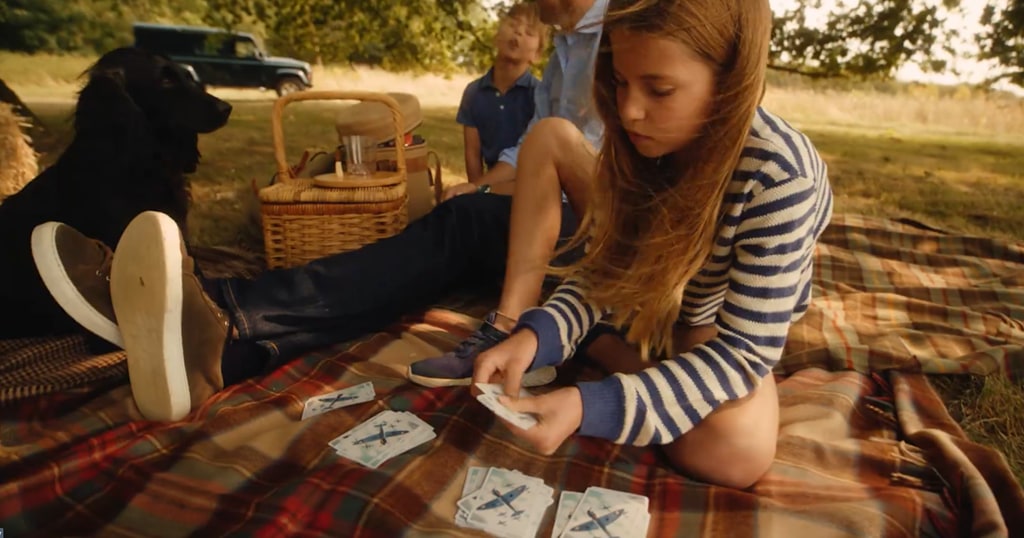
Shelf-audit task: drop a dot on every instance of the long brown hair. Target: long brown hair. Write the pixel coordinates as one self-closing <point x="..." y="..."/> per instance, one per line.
<point x="651" y="223"/>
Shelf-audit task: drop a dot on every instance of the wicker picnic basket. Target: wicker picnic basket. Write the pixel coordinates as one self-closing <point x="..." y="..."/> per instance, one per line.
<point x="303" y="221"/>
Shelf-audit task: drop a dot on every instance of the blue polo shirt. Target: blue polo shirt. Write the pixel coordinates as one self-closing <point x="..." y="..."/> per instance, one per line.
<point x="500" y="119"/>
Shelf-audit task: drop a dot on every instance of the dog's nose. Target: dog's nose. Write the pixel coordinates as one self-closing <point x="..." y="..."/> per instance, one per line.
<point x="223" y="109"/>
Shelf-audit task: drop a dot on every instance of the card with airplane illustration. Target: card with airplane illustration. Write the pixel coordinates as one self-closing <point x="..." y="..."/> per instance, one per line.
<point x="489" y="397"/>
<point x="323" y="403"/>
<point x="606" y="513"/>
<point x="508" y="503"/>
<point x="567" y="503"/>
<point x="474" y="479"/>
<point x="386" y="435"/>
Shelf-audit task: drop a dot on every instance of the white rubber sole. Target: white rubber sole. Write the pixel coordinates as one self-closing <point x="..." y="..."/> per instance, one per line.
<point x="536" y="378"/>
<point x="51" y="270"/>
<point x="145" y="285"/>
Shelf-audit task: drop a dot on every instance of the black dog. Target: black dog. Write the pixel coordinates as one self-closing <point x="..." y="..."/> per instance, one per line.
<point x="137" y="123"/>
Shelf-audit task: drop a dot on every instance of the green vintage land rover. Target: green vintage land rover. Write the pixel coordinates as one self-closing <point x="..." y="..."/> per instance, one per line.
<point x="222" y="58"/>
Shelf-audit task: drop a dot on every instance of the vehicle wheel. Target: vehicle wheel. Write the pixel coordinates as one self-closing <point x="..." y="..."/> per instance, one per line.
<point x="288" y="85"/>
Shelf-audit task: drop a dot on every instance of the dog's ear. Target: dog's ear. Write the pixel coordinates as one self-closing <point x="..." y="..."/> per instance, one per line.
<point x="105" y="107"/>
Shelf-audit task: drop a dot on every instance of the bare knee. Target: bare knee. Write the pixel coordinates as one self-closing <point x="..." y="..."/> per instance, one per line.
<point x="735" y="445"/>
<point x="729" y="466"/>
<point x="556" y="150"/>
<point x="552" y="130"/>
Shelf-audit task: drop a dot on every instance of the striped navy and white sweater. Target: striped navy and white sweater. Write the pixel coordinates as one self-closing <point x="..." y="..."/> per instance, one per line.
<point x="756" y="283"/>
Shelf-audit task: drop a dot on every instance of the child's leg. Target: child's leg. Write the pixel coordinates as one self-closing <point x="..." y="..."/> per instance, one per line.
<point x="742" y="433"/>
<point x="735" y="444"/>
<point x="555" y="157"/>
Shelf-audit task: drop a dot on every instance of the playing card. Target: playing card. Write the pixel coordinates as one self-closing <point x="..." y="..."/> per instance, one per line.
<point x="603" y="512"/>
<point x="496" y="389"/>
<point x="382" y="437"/>
<point x="323" y="403"/>
<point x="474" y="479"/>
<point x="567" y="503"/>
<point x="489" y="398"/>
<point x="508" y="503"/>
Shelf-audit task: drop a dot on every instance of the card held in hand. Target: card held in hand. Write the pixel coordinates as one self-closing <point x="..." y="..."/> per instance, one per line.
<point x="491" y="392"/>
<point x="323" y="403"/>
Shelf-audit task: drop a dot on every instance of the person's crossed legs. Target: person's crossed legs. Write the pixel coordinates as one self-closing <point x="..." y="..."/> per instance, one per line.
<point x="187" y="337"/>
<point x="735" y="444"/>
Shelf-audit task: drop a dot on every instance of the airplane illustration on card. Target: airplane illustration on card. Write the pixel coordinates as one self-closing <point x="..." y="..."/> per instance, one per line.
<point x="338" y="399"/>
<point x="504" y="499"/>
<point x="599" y="522"/>
<point x="381" y="436"/>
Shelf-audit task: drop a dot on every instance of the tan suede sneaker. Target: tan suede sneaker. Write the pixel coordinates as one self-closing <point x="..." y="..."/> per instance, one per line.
<point x="76" y="271"/>
<point x="174" y="334"/>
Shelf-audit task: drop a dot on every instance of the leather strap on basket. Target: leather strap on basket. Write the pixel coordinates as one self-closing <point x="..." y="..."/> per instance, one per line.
<point x="284" y="172"/>
<point x="435" y="176"/>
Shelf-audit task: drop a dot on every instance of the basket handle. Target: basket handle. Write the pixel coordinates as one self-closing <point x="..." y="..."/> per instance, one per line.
<point x="284" y="173"/>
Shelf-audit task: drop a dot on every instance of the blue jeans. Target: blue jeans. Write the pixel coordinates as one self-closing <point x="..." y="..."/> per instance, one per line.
<point x="462" y="242"/>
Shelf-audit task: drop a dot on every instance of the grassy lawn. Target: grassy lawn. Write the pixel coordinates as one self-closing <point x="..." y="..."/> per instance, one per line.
<point x="952" y="162"/>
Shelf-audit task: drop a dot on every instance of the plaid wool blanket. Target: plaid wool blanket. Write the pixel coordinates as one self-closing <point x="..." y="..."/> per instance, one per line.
<point x="866" y="448"/>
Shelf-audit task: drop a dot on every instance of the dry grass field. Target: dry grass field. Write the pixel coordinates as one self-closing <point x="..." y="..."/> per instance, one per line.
<point x="952" y="159"/>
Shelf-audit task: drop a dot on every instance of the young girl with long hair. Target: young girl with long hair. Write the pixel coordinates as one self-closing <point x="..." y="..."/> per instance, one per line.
<point x="701" y="224"/>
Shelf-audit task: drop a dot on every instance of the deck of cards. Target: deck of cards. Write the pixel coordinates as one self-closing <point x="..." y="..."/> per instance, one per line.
<point x="386" y="435"/>
<point x="502" y="502"/>
<point x="323" y="403"/>
<point x="601" y="512"/>
<point x="489" y="397"/>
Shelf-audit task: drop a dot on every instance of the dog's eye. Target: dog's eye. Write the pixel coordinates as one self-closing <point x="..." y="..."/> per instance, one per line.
<point x="168" y="82"/>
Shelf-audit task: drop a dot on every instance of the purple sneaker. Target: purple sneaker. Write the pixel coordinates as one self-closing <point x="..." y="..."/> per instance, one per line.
<point x="456" y="367"/>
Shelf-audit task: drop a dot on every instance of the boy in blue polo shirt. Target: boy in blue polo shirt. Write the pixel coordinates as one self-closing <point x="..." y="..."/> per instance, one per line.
<point x="497" y="107"/>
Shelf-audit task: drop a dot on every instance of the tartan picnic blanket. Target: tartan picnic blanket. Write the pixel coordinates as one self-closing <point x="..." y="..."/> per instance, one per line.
<point x="866" y="447"/>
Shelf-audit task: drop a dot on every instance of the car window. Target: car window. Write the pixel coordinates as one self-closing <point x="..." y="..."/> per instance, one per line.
<point x="246" y="48"/>
<point x="214" y="45"/>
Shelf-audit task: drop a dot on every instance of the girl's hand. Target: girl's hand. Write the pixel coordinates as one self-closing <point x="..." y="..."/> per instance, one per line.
<point x="506" y="362"/>
<point x="558" y="414"/>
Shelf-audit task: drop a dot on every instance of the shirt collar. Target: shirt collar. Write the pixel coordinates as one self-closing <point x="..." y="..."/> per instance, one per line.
<point x="525" y="80"/>
<point x="591" y="21"/>
<point x="488" y="79"/>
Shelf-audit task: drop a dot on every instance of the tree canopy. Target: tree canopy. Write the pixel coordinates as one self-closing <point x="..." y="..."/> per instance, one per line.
<point x="863" y="37"/>
<point x="824" y="38"/>
<point x="1003" y="38"/>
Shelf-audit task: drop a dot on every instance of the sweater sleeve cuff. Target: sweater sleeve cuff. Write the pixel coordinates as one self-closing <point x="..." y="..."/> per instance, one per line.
<point x="549" y="341"/>
<point x="604" y="408"/>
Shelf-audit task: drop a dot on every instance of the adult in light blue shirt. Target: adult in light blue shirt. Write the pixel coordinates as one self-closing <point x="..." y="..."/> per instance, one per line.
<point x="563" y="92"/>
<point x="462" y="242"/>
<point x="565" y="89"/>
<point x="556" y="156"/>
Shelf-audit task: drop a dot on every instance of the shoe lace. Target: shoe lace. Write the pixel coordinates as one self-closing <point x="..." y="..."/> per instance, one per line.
<point x="471" y="346"/>
<point x="479" y="341"/>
